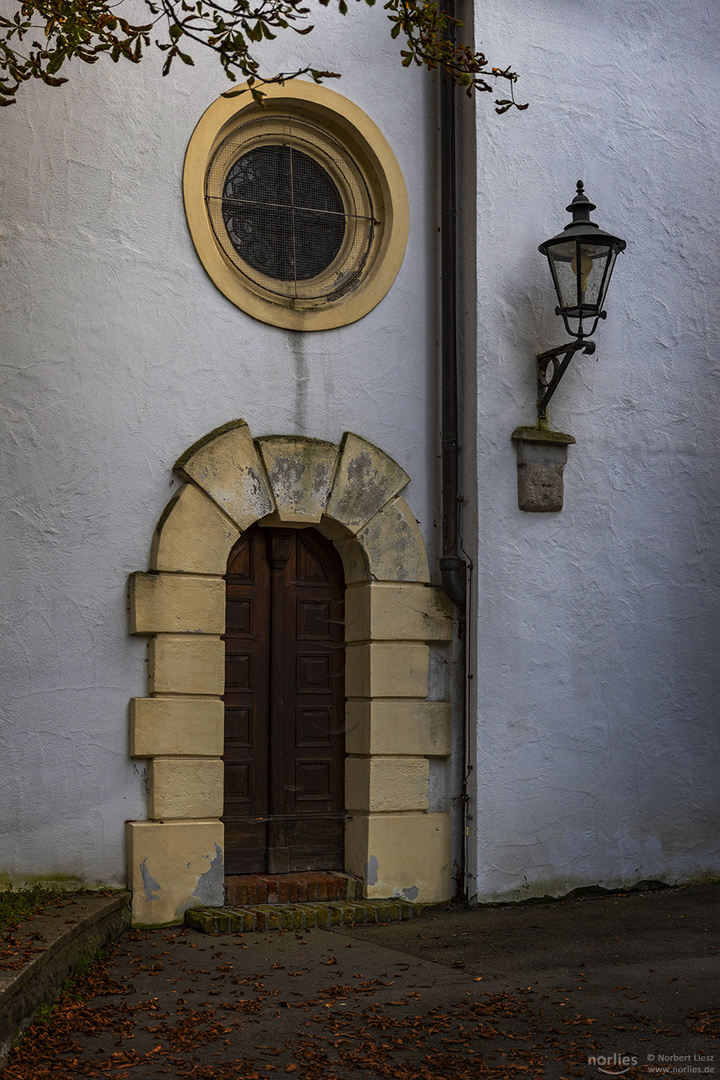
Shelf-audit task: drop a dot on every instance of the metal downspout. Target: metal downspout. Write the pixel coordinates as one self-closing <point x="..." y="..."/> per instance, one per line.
<point x="453" y="567"/>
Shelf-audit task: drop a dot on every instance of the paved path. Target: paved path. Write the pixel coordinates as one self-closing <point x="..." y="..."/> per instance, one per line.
<point x="530" y="991"/>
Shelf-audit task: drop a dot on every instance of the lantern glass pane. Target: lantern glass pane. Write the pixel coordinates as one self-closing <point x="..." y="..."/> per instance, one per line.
<point x="581" y="272"/>
<point x="609" y="265"/>
<point x="561" y="258"/>
<point x="593" y="262"/>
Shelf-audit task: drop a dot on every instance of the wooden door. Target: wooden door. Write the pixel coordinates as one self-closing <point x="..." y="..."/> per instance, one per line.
<point x="284" y="703"/>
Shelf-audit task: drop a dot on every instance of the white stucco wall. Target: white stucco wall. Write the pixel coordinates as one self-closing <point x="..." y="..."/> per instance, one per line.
<point x="594" y="673"/>
<point x="117" y="354"/>
<point x="597" y="628"/>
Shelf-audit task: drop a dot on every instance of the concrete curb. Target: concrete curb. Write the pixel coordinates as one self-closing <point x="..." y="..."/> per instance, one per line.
<point x="239" y="920"/>
<point x="76" y="928"/>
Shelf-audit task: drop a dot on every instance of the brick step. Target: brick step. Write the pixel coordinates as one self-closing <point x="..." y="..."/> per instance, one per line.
<point x="241" y="920"/>
<point x="306" y="886"/>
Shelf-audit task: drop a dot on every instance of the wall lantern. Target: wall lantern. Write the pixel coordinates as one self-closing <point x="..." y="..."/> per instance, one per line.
<point x="581" y="259"/>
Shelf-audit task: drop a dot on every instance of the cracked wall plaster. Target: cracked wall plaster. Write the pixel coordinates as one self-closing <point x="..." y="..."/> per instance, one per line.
<point x="151" y="887"/>
<point x="210" y="886"/>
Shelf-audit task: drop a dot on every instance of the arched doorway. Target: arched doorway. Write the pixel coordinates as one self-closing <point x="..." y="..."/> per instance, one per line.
<point x="350" y="493"/>
<point x="284" y="750"/>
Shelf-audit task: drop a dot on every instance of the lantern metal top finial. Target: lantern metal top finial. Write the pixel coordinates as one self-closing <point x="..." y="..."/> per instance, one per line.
<point x="581" y="207"/>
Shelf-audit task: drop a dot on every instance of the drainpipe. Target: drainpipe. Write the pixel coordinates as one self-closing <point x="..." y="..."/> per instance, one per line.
<point x="453" y="567"/>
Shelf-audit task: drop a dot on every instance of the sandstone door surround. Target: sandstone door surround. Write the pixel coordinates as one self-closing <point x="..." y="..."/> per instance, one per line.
<point x="351" y="493"/>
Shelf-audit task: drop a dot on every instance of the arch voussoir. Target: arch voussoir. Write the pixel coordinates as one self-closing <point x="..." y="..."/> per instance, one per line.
<point x="227" y="467"/>
<point x="300" y="471"/>
<point x="394" y="546"/>
<point x="192" y="536"/>
<point x="365" y="481"/>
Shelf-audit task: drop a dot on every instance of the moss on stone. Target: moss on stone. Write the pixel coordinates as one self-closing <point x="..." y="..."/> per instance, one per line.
<point x="19" y="904"/>
<point x="184" y="458"/>
<point x="166" y="513"/>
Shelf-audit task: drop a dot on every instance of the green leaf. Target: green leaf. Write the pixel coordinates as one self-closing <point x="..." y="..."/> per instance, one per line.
<point x="55" y="64"/>
<point x="84" y="29"/>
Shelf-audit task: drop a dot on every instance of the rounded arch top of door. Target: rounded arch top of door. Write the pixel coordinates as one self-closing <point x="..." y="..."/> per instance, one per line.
<point x="284" y="701"/>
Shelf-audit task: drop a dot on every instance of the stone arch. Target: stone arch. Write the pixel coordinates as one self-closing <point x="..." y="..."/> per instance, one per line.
<point x="351" y="493"/>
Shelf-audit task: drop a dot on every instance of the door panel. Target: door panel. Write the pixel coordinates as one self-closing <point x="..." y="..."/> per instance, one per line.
<point x="247" y="635"/>
<point x="284" y="703"/>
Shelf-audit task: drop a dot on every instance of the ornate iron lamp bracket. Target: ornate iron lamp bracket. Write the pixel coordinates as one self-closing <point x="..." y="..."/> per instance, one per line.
<point x="550" y="370"/>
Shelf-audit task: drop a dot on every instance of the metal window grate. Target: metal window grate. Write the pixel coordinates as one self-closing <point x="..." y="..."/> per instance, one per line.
<point x="283" y="213"/>
<point x="290" y="208"/>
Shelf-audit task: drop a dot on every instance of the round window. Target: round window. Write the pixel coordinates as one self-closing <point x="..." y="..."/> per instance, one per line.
<point x="282" y="213"/>
<point x="297" y="208"/>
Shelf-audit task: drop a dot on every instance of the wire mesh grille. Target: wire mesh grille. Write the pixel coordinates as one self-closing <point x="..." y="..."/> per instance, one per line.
<point x="290" y="208"/>
<point x="283" y="213"/>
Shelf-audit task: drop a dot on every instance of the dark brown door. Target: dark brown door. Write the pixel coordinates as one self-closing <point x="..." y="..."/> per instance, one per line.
<point x="284" y="703"/>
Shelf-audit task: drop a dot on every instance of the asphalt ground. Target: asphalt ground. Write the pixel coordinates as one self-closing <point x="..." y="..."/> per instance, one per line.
<point x="618" y="985"/>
